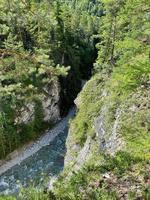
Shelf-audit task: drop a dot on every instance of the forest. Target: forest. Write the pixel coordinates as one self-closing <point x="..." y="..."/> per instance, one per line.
<point x="39" y="41"/>
<point x="44" y="43"/>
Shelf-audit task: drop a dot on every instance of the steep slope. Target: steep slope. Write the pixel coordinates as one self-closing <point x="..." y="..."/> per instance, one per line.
<point x="108" y="144"/>
<point x="109" y="139"/>
<point x="38" y="41"/>
<point x="108" y="147"/>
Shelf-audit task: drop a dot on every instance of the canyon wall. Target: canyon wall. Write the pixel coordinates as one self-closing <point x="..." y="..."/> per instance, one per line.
<point x="108" y="142"/>
<point x="49" y="98"/>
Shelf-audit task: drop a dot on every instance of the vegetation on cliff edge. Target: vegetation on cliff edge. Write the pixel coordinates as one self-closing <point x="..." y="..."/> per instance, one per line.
<point x="121" y="80"/>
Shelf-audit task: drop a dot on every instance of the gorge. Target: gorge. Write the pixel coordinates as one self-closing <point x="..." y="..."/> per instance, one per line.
<point x="74" y="100"/>
<point x="36" y="162"/>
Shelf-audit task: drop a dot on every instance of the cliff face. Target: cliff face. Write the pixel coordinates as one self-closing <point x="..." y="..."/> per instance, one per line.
<point x="108" y="143"/>
<point x="49" y="98"/>
<point x="91" y="126"/>
<point x="31" y="116"/>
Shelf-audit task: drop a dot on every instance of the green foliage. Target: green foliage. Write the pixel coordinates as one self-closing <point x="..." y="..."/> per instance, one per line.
<point x="81" y="186"/>
<point x="122" y="82"/>
<point x="38" y="41"/>
<point x="12" y="135"/>
<point x="37" y="37"/>
<point x="124" y="35"/>
<point x="123" y="55"/>
<point x="7" y="198"/>
<point x="39" y="116"/>
<point x="90" y="98"/>
<point x="32" y="194"/>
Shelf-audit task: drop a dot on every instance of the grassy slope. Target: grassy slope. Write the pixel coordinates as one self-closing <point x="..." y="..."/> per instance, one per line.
<point x="127" y="173"/>
<point x="104" y="176"/>
<point x="130" y="166"/>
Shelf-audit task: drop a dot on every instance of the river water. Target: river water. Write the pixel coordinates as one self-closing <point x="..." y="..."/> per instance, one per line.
<point x="40" y="167"/>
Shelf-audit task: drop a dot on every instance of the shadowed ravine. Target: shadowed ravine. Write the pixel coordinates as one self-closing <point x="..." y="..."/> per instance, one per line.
<point x="39" y="167"/>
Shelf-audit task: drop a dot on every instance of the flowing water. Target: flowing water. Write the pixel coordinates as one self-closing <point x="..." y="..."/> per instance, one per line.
<point x="38" y="168"/>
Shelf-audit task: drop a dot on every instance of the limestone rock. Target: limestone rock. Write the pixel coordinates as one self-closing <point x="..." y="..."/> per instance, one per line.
<point x="50" y="103"/>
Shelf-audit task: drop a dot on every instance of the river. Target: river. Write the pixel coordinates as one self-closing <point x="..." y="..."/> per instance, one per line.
<point x="38" y="164"/>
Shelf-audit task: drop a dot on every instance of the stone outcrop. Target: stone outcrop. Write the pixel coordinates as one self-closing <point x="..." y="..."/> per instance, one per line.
<point x="50" y="102"/>
<point x="49" y="98"/>
<point x="110" y="142"/>
<point x="83" y="155"/>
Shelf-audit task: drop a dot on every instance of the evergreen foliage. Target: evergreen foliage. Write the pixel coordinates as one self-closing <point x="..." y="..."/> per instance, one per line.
<point x="37" y="37"/>
<point x="38" y="41"/>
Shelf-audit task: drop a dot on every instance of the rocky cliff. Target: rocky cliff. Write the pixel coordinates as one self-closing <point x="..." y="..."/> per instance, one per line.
<point x="29" y="117"/>
<point x="49" y="98"/>
<point x="108" y="143"/>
